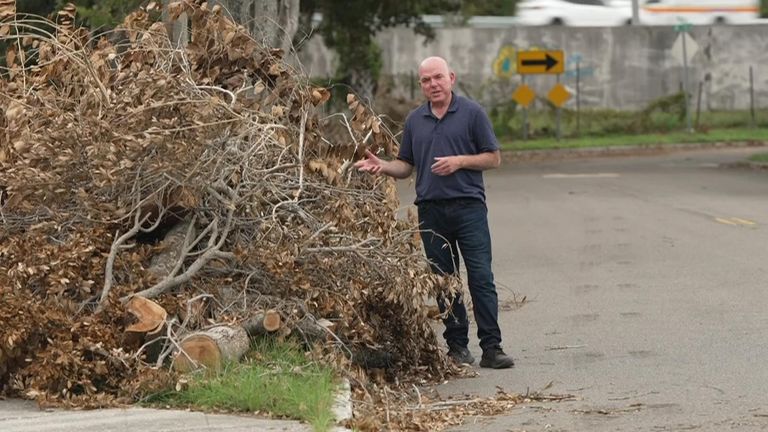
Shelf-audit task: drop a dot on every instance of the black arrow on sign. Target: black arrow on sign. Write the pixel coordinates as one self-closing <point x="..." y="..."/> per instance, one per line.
<point x="548" y="61"/>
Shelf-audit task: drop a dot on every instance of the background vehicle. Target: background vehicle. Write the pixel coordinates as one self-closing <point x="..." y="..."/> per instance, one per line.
<point x="589" y="13"/>
<point x="670" y="12"/>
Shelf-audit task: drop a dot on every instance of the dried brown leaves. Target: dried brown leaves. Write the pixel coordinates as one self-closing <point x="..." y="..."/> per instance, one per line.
<point x="7" y="9"/>
<point x="106" y="145"/>
<point x="409" y="409"/>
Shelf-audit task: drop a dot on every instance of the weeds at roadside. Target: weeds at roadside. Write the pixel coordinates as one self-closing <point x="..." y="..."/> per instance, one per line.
<point x="661" y="118"/>
<point x="761" y="158"/>
<point x="742" y="135"/>
<point x="275" y="380"/>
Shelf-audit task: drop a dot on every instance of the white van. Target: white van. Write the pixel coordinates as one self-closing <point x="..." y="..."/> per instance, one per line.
<point x="702" y="12"/>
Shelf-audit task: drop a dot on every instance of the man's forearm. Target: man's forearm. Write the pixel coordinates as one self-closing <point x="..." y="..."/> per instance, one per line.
<point x="481" y="161"/>
<point x="397" y="169"/>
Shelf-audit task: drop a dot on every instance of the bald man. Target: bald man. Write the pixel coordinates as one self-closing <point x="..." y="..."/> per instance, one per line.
<point x="450" y="142"/>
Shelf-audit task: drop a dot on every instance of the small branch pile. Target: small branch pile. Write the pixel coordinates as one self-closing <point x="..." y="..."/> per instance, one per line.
<point x="197" y="176"/>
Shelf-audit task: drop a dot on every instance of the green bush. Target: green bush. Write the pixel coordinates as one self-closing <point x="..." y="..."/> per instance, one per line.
<point x="663" y="115"/>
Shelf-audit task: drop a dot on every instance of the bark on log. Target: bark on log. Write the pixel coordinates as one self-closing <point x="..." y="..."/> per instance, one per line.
<point x="163" y="263"/>
<point x="3" y="368"/>
<point x="178" y="30"/>
<point x="211" y="348"/>
<point x="313" y="330"/>
<point x="370" y="358"/>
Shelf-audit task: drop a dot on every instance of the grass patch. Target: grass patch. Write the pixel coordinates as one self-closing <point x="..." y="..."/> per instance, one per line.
<point x="759" y="158"/>
<point x="275" y="378"/>
<point x="662" y="121"/>
<point x="650" y="139"/>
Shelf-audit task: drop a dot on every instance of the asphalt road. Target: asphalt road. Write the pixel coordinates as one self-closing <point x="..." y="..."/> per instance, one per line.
<point x="646" y="286"/>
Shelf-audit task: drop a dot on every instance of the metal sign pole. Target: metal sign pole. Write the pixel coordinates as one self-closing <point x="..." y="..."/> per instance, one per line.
<point x="525" y="116"/>
<point x="685" y="84"/>
<point x="578" y="98"/>
<point x="752" y="122"/>
<point x="681" y="44"/>
<point x="558" y="114"/>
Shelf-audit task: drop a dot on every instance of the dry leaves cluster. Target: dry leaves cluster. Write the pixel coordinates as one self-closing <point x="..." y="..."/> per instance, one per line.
<point x="108" y="145"/>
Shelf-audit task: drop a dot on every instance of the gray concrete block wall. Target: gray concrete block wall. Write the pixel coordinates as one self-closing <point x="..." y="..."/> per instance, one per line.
<point x="621" y="68"/>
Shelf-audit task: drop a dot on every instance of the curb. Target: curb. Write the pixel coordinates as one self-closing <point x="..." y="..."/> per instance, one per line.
<point x="630" y="150"/>
<point x="756" y="166"/>
<point x="342" y="407"/>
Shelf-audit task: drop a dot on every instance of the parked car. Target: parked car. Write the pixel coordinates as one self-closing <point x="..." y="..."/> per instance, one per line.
<point x="670" y="12"/>
<point x="584" y="13"/>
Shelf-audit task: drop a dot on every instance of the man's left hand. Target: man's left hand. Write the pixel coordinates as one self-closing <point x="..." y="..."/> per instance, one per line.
<point x="446" y="165"/>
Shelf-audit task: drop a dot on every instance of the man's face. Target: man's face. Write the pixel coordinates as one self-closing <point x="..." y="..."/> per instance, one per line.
<point x="436" y="82"/>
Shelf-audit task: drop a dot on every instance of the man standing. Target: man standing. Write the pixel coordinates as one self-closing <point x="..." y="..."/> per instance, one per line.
<point x="450" y="142"/>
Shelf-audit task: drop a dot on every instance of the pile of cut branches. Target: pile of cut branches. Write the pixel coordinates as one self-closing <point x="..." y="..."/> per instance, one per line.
<point x="150" y="191"/>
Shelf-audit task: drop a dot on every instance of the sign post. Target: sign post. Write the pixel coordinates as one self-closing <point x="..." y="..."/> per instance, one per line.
<point x="683" y="28"/>
<point x="523" y="95"/>
<point x="537" y="62"/>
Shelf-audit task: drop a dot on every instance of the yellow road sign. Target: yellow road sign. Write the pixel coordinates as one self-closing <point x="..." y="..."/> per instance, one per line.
<point x="559" y="95"/>
<point x="540" y="62"/>
<point x="523" y="95"/>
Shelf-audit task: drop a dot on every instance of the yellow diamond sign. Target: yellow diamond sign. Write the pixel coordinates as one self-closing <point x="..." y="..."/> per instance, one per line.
<point x="558" y="95"/>
<point x="523" y="95"/>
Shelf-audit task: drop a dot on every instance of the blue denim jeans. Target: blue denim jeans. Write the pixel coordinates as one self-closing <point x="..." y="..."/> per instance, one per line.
<point x="461" y="225"/>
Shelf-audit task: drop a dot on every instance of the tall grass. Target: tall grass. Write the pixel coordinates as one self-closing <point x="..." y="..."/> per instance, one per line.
<point x="662" y="116"/>
<point x="641" y="140"/>
<point x="759" y="158"/>
<point x="275" y="378"/>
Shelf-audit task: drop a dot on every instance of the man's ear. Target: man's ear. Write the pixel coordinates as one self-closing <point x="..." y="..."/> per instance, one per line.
<point x="452" y="76"/>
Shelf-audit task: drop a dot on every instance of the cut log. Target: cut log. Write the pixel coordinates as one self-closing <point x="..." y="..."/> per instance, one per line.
<point x="263" y="323"/>
<point x="150" y="316"/>
<point x="147" y="331"/>
<point x="211" y="348"/>
<point x="163" y="263"/>
<point x="272" y="320"/>
<point x="313" y="331"/>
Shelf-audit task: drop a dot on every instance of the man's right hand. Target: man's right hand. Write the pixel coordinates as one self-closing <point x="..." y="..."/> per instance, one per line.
<point x="371" y="164"/>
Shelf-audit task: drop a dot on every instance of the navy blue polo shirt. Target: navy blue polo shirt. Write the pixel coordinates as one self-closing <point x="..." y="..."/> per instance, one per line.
<point x="464" y="130"/>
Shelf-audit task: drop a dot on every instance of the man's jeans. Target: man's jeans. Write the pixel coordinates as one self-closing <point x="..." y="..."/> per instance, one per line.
<point x="446" y="224"/>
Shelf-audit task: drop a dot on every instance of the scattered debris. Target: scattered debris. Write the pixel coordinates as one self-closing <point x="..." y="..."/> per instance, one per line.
<point x="563" y="347"/>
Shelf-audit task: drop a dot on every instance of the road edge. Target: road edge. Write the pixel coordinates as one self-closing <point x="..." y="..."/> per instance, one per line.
<point x="514" y="156"/>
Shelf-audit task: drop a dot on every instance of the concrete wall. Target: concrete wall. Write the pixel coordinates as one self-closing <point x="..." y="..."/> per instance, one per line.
<point x="620" y="67"/>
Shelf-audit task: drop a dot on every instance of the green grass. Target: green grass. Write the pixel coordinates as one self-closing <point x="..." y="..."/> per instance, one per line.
<point x="661" y="122"/>
<point x="275" y="379"/>
<point x="648" y="139"/>
<point x="759" y="158"/>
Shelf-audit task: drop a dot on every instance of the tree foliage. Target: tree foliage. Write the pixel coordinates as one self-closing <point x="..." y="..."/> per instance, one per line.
<point x="488" y="7"/>
<point x="350" y="27"/>
<point x="93" y="13"/>
<point x="36" y="7"/>
<point x="100" y="14"/>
